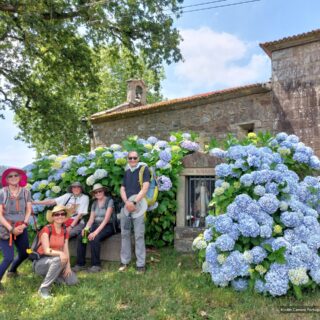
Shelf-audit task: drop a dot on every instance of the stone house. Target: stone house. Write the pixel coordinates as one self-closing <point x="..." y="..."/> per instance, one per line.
<point x="289" y="102"/>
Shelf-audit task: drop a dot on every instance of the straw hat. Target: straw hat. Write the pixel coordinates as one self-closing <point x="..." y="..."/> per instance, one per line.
<point x="98" y="186"/>
<point x="75" y="184"/>
<point x="23" y="177"/>
<point x="57" y="209"/>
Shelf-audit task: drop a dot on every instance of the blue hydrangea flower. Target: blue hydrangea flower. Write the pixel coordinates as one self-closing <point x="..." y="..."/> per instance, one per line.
<point x="217" y="152"/>
<point x="223" y="223"/>
<point x="269" y="203"/>
<point x="265" y="231"/>
<point x="80" y="159"/>
<point x="225" y="243"/>
<point x="259" y="190"/>
<point x="259" y="286"/>
<point x="291" y="219"/>
<point x="210" y="220"/>
<point x="165" y="156"/>
<point x="211" y="253"/>
<point x="249" y="227"/>
<point x="246" y="180"/>
<point x="82" y="171"/>
<point x="152" y="140"/>
<point x="258" y="254"/>
<point x="207" y="235"/>
<point x="164" y="183"/>
<point x="190" y="145"/>
<point x="239" y="284"/>
<point x="161" y="164"/>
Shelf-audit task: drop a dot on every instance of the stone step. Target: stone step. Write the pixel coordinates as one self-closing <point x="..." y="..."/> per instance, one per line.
<point x="110" y="248"/>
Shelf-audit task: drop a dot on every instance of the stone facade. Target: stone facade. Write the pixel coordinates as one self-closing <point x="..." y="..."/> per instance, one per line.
<point x="213" y="116"/>
<point x="296" y="91"/>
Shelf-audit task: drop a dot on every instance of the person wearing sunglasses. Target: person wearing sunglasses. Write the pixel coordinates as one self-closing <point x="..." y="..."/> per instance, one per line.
<point x="133" y="213"/>
<point x="98" y="227"/>
<point x="77" y="202"/>
<point x="54" y="262"/>
<point x="15" y="211"/>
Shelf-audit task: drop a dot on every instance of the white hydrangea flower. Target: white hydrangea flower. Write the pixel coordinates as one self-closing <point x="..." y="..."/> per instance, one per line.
<point x="56" y="189"/>
<point x="298" y="276"/>
<point x="90" y="180"/>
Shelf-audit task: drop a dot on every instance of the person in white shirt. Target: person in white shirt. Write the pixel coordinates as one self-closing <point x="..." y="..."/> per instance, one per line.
<point x="76" y="201"/>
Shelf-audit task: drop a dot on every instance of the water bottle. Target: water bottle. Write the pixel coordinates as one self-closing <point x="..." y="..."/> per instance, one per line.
<point x="85" y="236"/>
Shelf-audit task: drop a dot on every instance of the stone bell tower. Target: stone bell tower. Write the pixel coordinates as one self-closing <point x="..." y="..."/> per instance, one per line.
<point x="136" y="92"/>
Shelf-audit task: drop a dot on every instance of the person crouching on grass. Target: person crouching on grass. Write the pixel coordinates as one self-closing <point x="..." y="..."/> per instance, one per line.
<point x="99" y="227"/>
<point x="54" y="262"/>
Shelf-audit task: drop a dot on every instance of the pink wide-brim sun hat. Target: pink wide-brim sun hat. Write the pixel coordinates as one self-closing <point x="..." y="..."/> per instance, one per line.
<point x="23" y="177"/>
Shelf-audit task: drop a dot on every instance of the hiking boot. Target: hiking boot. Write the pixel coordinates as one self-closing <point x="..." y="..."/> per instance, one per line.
<point x="123" y="267"/>
<point x="141" y="270"/>
<point x="78" y="268"/>
<point x="12" y="274"/>
<point x="44" y="293"/>
<point x="94" y="269"/>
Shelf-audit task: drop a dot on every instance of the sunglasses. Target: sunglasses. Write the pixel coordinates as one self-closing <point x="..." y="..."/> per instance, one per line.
<point x="61" y="214"/>
<point x="99" y="191"/>
<point x="132" y="158"/>
<point x="13" y="176"/>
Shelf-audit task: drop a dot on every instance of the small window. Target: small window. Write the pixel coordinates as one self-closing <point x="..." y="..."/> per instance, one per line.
<point x="139" y="91"/>
<point x="199" y="192"/>
<point x="244" y="129"/>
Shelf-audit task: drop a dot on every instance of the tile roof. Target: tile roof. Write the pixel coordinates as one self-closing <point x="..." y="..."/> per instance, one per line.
<point x="291" y="41"/>
<point x="183" y="102"/>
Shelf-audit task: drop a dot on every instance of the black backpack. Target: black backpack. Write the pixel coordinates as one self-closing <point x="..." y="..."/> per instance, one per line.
<point x="34" y="255"/>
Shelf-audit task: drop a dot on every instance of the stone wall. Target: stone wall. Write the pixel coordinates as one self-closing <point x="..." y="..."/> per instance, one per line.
<point x="209" y="118"/>
<point x="296" y="91"/>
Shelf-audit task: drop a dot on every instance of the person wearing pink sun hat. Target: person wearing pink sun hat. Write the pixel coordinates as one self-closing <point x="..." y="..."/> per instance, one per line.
<point x="15" y="211"/>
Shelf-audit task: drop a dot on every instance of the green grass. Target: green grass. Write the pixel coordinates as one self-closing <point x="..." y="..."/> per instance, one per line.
<point x="172" y="288"/>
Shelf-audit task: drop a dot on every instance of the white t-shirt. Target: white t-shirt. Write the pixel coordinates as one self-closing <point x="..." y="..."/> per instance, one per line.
<point x="80" y="203"/>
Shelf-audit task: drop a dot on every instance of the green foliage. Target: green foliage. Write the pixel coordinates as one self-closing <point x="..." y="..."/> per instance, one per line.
<point x="73" y="58"/>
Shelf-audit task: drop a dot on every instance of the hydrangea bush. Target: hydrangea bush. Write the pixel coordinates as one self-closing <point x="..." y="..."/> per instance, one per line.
<point x="264" y="233"/>
<point x="50" y="176"/>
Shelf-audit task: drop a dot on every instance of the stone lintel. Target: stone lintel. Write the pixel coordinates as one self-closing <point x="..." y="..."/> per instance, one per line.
<point x="200" y="160"/>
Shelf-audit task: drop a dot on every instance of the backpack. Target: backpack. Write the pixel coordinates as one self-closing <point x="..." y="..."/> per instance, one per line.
<point x="114" y="218"/>
<point x="33" y="251"/>
<point x="153" y="190"/>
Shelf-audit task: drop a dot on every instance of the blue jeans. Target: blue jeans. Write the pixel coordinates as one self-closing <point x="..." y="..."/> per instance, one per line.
<point x="95" y="245"/>
<point x="22" y="244"/>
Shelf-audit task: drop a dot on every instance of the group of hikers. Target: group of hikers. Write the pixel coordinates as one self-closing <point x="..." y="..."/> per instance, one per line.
<point x="51" y="258"/>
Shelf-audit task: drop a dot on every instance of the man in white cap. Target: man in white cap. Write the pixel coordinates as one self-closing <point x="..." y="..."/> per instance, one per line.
<point x="77" y="202"/>
<point x="133" y="195"/>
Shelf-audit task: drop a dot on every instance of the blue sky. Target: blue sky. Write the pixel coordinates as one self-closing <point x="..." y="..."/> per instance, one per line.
<point x="221" y="50"/>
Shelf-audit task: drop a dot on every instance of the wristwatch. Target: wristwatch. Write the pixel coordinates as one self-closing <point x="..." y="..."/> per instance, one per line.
<point x="134" y="202"/>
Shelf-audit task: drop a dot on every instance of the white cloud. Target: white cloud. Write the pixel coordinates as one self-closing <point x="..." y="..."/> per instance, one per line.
<point x="214" y="61"/>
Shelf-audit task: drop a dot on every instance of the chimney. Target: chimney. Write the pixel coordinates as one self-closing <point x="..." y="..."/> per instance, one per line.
<point x="136" y="92"/>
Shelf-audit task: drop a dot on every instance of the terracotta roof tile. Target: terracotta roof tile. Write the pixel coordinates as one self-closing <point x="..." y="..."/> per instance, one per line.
<point x="243" y="90"/>
<point x="291" y="41"/>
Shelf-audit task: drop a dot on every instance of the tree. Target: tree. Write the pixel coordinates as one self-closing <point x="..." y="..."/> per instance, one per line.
<point x="56" y="126"/>
<point x="51" y="54"/>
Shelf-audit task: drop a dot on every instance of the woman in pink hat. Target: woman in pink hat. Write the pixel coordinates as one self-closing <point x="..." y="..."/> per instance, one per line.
<point x="15" y="210"/>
